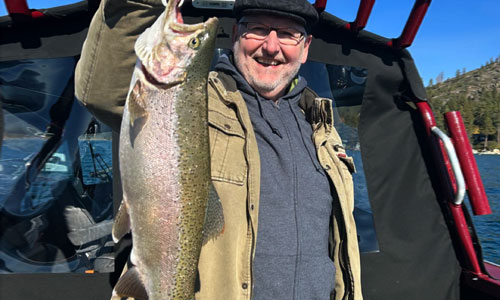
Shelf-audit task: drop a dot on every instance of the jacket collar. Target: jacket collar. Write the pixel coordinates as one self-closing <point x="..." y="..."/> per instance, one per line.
<point x="318" y="110"/>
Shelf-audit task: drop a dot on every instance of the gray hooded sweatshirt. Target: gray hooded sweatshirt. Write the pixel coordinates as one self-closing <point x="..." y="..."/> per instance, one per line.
<point x="291" y="256"/>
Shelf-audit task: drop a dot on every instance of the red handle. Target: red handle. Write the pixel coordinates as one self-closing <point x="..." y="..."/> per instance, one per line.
<point x="412" y="24"/>
<point x="364" y="11"/>
<point x="20" y="7"/>
<point x="320" y="5"/>
<point x="17" y="7"/>
<point x="460" y="222"/>
<point x="475" y="188"/>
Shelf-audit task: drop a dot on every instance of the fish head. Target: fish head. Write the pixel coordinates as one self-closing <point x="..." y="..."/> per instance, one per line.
<point x="169" y="49"/>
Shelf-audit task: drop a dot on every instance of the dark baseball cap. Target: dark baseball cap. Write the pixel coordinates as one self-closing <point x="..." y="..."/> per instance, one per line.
<point x="299" y="10"/>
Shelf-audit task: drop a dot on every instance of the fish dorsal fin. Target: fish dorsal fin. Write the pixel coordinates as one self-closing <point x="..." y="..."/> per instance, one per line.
<point x="214" y="217"/>
<point x="137" y="103"/>
<point x="130" y="285"/>
<point x="121" y="225"/>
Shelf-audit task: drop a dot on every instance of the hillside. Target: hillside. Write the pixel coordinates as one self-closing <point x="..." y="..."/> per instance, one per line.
<point x="472" y="83"/>
<point x="476" y="94"/>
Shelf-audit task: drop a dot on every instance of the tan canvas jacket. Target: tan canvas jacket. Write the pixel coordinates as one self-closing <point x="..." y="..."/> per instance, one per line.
<point x="225" y="265"/>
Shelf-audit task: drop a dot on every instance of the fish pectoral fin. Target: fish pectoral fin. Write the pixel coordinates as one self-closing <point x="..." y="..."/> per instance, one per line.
<point x="136" y="102"/>
<point x="130" y="285"/>
<point x="121" y="225"/>
<point x="214" y="217"/>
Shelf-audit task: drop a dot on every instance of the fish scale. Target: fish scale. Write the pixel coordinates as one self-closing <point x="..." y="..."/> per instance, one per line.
<point x="165" y="162"/>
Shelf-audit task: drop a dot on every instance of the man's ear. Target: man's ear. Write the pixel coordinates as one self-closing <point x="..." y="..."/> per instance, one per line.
<point x="235" y="33"/>
<point x="307" y="42"/>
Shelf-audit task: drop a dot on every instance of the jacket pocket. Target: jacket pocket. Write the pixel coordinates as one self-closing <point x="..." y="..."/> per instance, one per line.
<point x="227" y="149"/>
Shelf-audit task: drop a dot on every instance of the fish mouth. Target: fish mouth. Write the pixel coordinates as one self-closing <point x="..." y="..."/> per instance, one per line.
<point x="175" y="22"/>
<point x="157" y="50"/>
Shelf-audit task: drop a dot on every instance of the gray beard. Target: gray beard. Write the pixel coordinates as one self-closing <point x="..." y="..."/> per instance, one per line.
<point x="263" y="87"/>
<point x="284" y="81"/>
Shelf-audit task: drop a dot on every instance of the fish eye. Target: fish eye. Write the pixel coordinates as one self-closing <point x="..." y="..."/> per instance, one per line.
<point x="194" y="43"/>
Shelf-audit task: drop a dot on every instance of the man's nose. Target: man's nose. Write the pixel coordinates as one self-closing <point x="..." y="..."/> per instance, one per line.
<point x="271" y="44"/>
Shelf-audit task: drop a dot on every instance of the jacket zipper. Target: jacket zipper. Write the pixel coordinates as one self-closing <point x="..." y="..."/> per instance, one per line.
<point x="249" y="204"/>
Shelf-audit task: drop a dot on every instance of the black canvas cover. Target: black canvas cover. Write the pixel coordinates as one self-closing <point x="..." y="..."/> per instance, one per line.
<point x="415" y="257"/>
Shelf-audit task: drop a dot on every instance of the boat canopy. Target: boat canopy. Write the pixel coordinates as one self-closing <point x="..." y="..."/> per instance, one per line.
<point x="410" y="246"/>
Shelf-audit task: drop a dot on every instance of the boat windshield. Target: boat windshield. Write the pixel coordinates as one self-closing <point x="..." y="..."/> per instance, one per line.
<point x="55" y="173"/>
<point x="346" y="86"/>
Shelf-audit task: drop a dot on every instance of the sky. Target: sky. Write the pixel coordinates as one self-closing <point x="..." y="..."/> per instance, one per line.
<point x="455" y="34"/>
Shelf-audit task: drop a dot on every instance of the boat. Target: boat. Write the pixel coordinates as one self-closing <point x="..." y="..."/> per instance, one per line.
<point x="59" y="178"/>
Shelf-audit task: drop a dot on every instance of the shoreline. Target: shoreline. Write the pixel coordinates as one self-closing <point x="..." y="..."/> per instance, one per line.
<point x="489" y="152"/>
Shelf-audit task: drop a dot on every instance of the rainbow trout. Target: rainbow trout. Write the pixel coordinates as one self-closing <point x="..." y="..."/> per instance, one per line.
<point x="168" y="200"/>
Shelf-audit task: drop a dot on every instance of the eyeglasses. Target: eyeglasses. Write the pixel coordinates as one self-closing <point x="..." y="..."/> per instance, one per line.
<point x="286" y="35"/>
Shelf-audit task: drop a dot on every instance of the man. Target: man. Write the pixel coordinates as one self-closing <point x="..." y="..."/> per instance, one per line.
<point x="273" y="167"/>
<point x="277" y="164"/>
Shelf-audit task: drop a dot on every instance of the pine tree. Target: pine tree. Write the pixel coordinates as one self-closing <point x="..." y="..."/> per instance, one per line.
<point x="440" y="78"/>
<point x="467" y="113"/>
<point x="487" y="129"/>
<point x="495" y="104"/>
<point x="453" y="104"/>
<point x="442" y="109"/>
<point x="484" y="116"/>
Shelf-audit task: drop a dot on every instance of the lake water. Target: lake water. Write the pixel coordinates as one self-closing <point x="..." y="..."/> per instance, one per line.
<point x="488" y="226"/>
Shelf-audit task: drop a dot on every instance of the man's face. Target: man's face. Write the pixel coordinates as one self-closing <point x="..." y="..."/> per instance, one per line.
<point x="268" y="65"/>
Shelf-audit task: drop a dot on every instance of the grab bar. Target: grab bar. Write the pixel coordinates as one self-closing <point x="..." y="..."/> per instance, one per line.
<point x="455" y="164"/>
